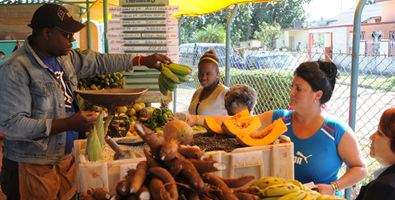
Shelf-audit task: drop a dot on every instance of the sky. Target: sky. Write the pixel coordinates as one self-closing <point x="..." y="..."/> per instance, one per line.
<point x="327" y="8"/>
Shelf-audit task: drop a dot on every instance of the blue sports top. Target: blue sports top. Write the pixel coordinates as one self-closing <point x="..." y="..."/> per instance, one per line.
<point x="316" y="158"/>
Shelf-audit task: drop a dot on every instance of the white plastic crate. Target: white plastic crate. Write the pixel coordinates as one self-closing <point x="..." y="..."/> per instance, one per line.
<point x="270" y="160"/>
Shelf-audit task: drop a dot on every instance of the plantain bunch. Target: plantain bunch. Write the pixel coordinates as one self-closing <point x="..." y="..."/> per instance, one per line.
<point x="171" y="75"/>
<point x="275" y="188"/>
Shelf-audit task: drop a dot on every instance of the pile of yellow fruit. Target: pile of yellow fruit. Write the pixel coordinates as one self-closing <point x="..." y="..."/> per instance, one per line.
<point x="275" y="188"/>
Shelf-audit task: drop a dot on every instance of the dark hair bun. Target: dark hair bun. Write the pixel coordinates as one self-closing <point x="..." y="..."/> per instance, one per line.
<point x="329" y="68"/>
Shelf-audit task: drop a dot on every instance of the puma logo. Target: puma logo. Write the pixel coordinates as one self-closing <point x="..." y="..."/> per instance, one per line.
<point x="298" y="160"/>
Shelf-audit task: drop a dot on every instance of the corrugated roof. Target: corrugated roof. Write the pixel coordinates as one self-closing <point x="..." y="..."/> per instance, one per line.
<point x="347" y="17"/>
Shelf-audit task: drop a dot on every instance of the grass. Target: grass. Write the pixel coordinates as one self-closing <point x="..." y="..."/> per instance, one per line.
<point x="386" y="84"/>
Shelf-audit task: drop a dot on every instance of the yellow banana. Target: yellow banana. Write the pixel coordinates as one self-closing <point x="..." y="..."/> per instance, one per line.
<point x="309" y="196"/>
<point x="169" y="85"/>
<point x="169" y="74"/>
<point x="178" y="69"/>
<point x="316" y="194"/>
<point x="162" y="88"/>
<point x="262" y="183"/>
<point x="330" y="197"/>
<point x="279" y="189"/>
<point x="297" y="195"/>
<point x="297" y="183"/>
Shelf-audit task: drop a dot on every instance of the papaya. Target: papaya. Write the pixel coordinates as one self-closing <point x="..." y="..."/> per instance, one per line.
<point x="212" y="126"/>
<point x="244" y="124"/>
<point x="264" y="137"/>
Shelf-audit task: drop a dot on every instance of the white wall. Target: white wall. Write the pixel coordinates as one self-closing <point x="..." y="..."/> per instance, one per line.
<point x="252" y="43"/>
<point x="299" y="36"/>
<point x="339" y="37"/>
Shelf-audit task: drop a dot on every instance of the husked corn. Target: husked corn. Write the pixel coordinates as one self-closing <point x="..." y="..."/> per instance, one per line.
<point x="108" y="153"/>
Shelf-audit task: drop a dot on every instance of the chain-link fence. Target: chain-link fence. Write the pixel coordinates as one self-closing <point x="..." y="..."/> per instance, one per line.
<point x="270" y="73"/>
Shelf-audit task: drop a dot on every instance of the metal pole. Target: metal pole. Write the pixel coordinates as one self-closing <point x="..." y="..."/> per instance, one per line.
<point x="179" y="42"/>
<point x="354" y="71"/>
<point x="88" y="24"/>
<point x="105" y="19"/>
<point x="228" y="24"/>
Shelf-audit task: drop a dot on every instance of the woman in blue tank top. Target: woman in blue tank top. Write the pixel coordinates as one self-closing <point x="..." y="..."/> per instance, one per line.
<point x="321" y="143"/>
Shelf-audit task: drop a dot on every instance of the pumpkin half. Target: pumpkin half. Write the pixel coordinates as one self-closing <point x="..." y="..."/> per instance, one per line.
<point x="242" y="124"/>
<point x="264" y="137"/>
<point x="212" y="126"/>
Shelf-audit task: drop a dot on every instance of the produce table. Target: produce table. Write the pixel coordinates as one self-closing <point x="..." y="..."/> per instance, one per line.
<point x="269" y="160"/>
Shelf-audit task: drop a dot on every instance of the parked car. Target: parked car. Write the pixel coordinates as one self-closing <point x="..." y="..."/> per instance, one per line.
<point x="192" y="52"/>
<point x="264" y="60"/>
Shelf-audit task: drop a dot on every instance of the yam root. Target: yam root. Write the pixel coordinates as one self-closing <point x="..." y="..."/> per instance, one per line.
<point x="131" y="197"/>
<point x="86" y="196"/>
<point x="191" y="195"/>
<point x="143" y="193"/>
<point x="191" y="152"/>
<point x="167" y="179"/>
<point x="250" y="190"/>
<point x="169" y="150"/>
<point x="150" y="159"/>
<point x="237" y="182"/>
<point x="188" y="170"/>
<point x="204" y="197"/>
<point x="149" y="138"/>
<point x="226" y="193"/>
<point x="139" y="176"/>
<point x="129" y="176"/>
<point x="123" y="188"/>
<point x="115" y="197"/>
<point x="246" y="196"/>
<point x="203" y="166"/>
<point x="158" y="191"/>
<point x="101" y="194"/>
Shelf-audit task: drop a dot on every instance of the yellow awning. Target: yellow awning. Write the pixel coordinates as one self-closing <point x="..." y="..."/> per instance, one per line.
<point x="187" y="7"/>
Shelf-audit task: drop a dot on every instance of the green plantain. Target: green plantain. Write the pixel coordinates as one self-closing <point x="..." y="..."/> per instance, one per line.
<point x="169" y="74"/>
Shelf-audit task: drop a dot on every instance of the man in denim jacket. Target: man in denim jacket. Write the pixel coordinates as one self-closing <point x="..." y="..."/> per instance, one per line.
<point x="39" y="116"/>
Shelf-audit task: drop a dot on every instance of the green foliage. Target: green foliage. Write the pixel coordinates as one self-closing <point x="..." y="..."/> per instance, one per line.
<point x="246" y="21"/>
<point x="272" y="86"/>
<point x="276" y="12"/>
<point x="212" y="34"/>
<point x="318" y="23"/>
<point x="268" y="34"/>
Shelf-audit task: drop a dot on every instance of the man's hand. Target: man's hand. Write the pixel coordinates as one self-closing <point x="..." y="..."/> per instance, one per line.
<point x="82" y="121"/>
<point x="151" y="61"/>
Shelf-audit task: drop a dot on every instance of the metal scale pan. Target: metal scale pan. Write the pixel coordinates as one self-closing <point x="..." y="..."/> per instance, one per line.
<point x="111" y="99"/>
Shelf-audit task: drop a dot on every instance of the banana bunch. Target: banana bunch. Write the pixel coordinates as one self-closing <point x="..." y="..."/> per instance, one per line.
<point x="275" y="188"/>
<point x="172" y="74"/>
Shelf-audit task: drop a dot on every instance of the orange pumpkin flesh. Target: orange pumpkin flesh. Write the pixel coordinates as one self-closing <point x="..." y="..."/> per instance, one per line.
<point x="212" y="126"/>
<point x="265" y="136"/>
<point x="245" y="124"/>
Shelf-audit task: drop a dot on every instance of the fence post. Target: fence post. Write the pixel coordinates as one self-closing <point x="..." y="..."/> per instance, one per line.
<point x="354" y="71"/>
<point x="228" y="24"/>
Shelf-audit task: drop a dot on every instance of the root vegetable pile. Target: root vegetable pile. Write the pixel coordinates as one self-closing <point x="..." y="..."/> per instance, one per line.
<point x="174" y="172"/>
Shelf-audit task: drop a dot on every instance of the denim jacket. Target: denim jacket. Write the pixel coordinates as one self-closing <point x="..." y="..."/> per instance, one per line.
<point x="30" y="97"/>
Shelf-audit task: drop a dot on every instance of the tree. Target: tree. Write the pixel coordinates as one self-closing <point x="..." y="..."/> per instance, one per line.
<point x="268" y="34"/>
<point x="318" y="23"/>
<point x="212" y="34"/>
<point x="278" y="12"/>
